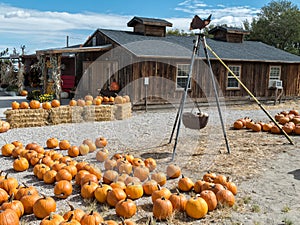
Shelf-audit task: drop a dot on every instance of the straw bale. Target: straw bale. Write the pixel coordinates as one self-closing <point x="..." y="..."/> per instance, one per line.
<point x="122" y="111"/>
<point x="98" y="113"/>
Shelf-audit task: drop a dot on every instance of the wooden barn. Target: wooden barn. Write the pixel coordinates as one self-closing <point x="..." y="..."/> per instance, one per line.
<point x="147" y="62"/>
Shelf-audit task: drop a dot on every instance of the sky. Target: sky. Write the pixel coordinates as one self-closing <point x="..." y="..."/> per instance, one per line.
<point x="46" y="24"/>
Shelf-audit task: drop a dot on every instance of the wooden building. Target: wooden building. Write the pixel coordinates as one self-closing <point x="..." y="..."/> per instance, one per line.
<point x="147" y="58"/>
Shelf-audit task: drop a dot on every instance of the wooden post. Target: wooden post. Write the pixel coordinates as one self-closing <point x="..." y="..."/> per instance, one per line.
<point x="55" y="61"/>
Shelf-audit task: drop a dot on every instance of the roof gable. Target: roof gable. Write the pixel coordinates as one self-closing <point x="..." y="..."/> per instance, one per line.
<point x="148" y="21"/>
<point x="181" y="47"/>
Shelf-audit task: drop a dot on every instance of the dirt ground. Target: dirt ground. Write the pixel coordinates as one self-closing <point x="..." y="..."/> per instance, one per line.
<point x="265" y="167"/>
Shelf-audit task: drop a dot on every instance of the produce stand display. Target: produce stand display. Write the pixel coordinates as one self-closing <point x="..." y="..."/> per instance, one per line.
<point x="18" y="118"/>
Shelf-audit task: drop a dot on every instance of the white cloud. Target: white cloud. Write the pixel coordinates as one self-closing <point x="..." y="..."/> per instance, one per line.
<point x="40" y="30"/>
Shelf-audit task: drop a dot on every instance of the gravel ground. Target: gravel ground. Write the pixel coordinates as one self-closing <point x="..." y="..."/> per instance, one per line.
<point x="275" y="190"/>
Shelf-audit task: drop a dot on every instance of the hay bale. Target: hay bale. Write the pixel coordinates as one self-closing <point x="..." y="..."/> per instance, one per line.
<point x="98" y="113"/>
<point x="122" y="111"/>
<point x="66" y="114"/>
<point x="27" y="117"/>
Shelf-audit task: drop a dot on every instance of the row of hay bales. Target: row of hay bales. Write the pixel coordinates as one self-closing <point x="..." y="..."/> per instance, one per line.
<point x="67" y="114"/>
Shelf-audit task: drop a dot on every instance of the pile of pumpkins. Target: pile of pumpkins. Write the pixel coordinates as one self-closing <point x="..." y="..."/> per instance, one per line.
<point x="289" y="121"/>
<point x="87" y="101"/>
<point x="123" y="179"/>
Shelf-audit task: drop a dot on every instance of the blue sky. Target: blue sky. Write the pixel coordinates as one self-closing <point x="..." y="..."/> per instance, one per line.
<point x="40" y="25"/>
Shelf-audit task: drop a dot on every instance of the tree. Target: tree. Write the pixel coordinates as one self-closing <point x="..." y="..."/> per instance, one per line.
<point x="278" y="24"/>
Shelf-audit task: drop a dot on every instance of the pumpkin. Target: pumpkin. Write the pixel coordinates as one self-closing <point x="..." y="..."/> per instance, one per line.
<point x="102" y="155"/>
<point x="198" y="186"/>
<point x="160" y="178"/>
<point x="15" y="205"/>
<point x="231" y="186"/>
<point x="220" y="179"/>
<point x="162" y="208"/>
<point x="70" y="221"/>
<point x="84" y="149"/>
<point x="88" y="102"/>
<point x="130" y="179"/>
<point x="71" y="168"/>
<point x="97" y="101"/>
<point x="63" y="189"/>
<point x="55" y="103"/>
<point x="134" y="191"/>
<point x="44" y="206"/>
<point x="209" y="176"/>
<point x="50" y="177"/>
<point x="52" y="219"/>
<point x="24" y="105"/>
<point x="3" y="196"/>
<point x="100" y="142"/>
<point x="92" y="218"/>
<point x="52" y="142"/>
<point x="87" y="178"/>
<point x="7" y="149"/>
<point x="124" y="167"/>
<point x="225" y="197"/>
<point x="150" y="163"/>
<point x="63" y="174"/>
<point x="94" y="170"/>
<point x="9" y="184"/>
<point x="4" y="126"/>
<point x="267" y="126"/>
<point x="118" y="184"/>
<point x="64" y="144"/>
<point x="149" y="187"/>
<point x="79" y="176"/>
<point x="256" y="127"/>
<point x="110" y="176"/>
<point x="141" y="172"/>
<point x="275" y="129"/>
<point x="196" y="207"/>
<point x="73" y="151"/>
<point x="210" y="198"/>
<point x="119" y="100"/>
<point x="101" y="192"/>
<point x="114" y="196"/>
<point x="178" y="201"/>
<point x="72" y="102"/>
<point x="20" y="164"/>
<point x="23" y="93"/>
<point x="88" y="189"/>
<point x="23" y="190"/>
<point x="9" y="217"/>
<point x="89" y="142"/>
<point x="77" y="213"/>
<point x="28" y="201"/>
<point x="110" y="164"/>
<point x="46" y="105"/>
<point x="81" y="102"/>
<point x="238" y="124"/>
<point x="126" y="208"/>
<point x="15" y="105"/>
<point x="88" y="98"/>
<point x="160" y="192"/>
<point x="34" y="104"/>
<point x="173" y="171"/>
<point x="127" y="98"/>
<point x="185" y="184"/>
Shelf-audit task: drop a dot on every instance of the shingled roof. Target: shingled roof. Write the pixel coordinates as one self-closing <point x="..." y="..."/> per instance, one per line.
<point x="181" y="47"/>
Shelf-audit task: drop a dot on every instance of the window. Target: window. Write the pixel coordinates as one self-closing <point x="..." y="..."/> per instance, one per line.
<point x="275" y="72"/>
<point x="232" y="83"/>
<point x="94" y="40"/>
<point x="182" y="76"/>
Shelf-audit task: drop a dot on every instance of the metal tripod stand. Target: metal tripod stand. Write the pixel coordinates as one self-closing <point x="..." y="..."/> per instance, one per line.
<point x="200" y="37"/>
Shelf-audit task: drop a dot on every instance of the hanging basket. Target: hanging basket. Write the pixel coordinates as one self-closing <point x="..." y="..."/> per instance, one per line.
<point x="194" y="121"/>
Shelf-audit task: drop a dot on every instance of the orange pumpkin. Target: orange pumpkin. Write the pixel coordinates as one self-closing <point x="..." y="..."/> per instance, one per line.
<point x="23" y="93"/>
<point x="72" y="102"/>
<point x="24" y="105"/>
<point x="55" y="103"/>
<point x="46" y="105"/>
<point x="34" y="104"/>
<point x="15" y="105"/>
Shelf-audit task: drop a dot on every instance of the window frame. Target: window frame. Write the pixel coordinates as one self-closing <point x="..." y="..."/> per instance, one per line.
<point x="229" y="75"/>
<point x="178" y="87"/>
<point x="270" y="71"/>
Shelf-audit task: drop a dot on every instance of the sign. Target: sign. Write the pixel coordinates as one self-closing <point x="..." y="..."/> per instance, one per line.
<point x="146" y="81"/>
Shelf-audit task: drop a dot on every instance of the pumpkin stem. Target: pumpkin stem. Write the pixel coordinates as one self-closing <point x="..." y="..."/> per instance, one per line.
<point x="70" y="217"/>
<point x="71" y="206"/>
<point x="177" y="191"/>
<point x="25" y="185"/>
<point x="11" y="197"/>
<point x="91" y="213"/>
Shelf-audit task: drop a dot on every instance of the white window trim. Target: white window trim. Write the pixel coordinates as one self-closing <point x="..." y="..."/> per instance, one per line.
<point x="279" y="67"/>
<point x="239" y="76"/>
<point x="178" y="88"/>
